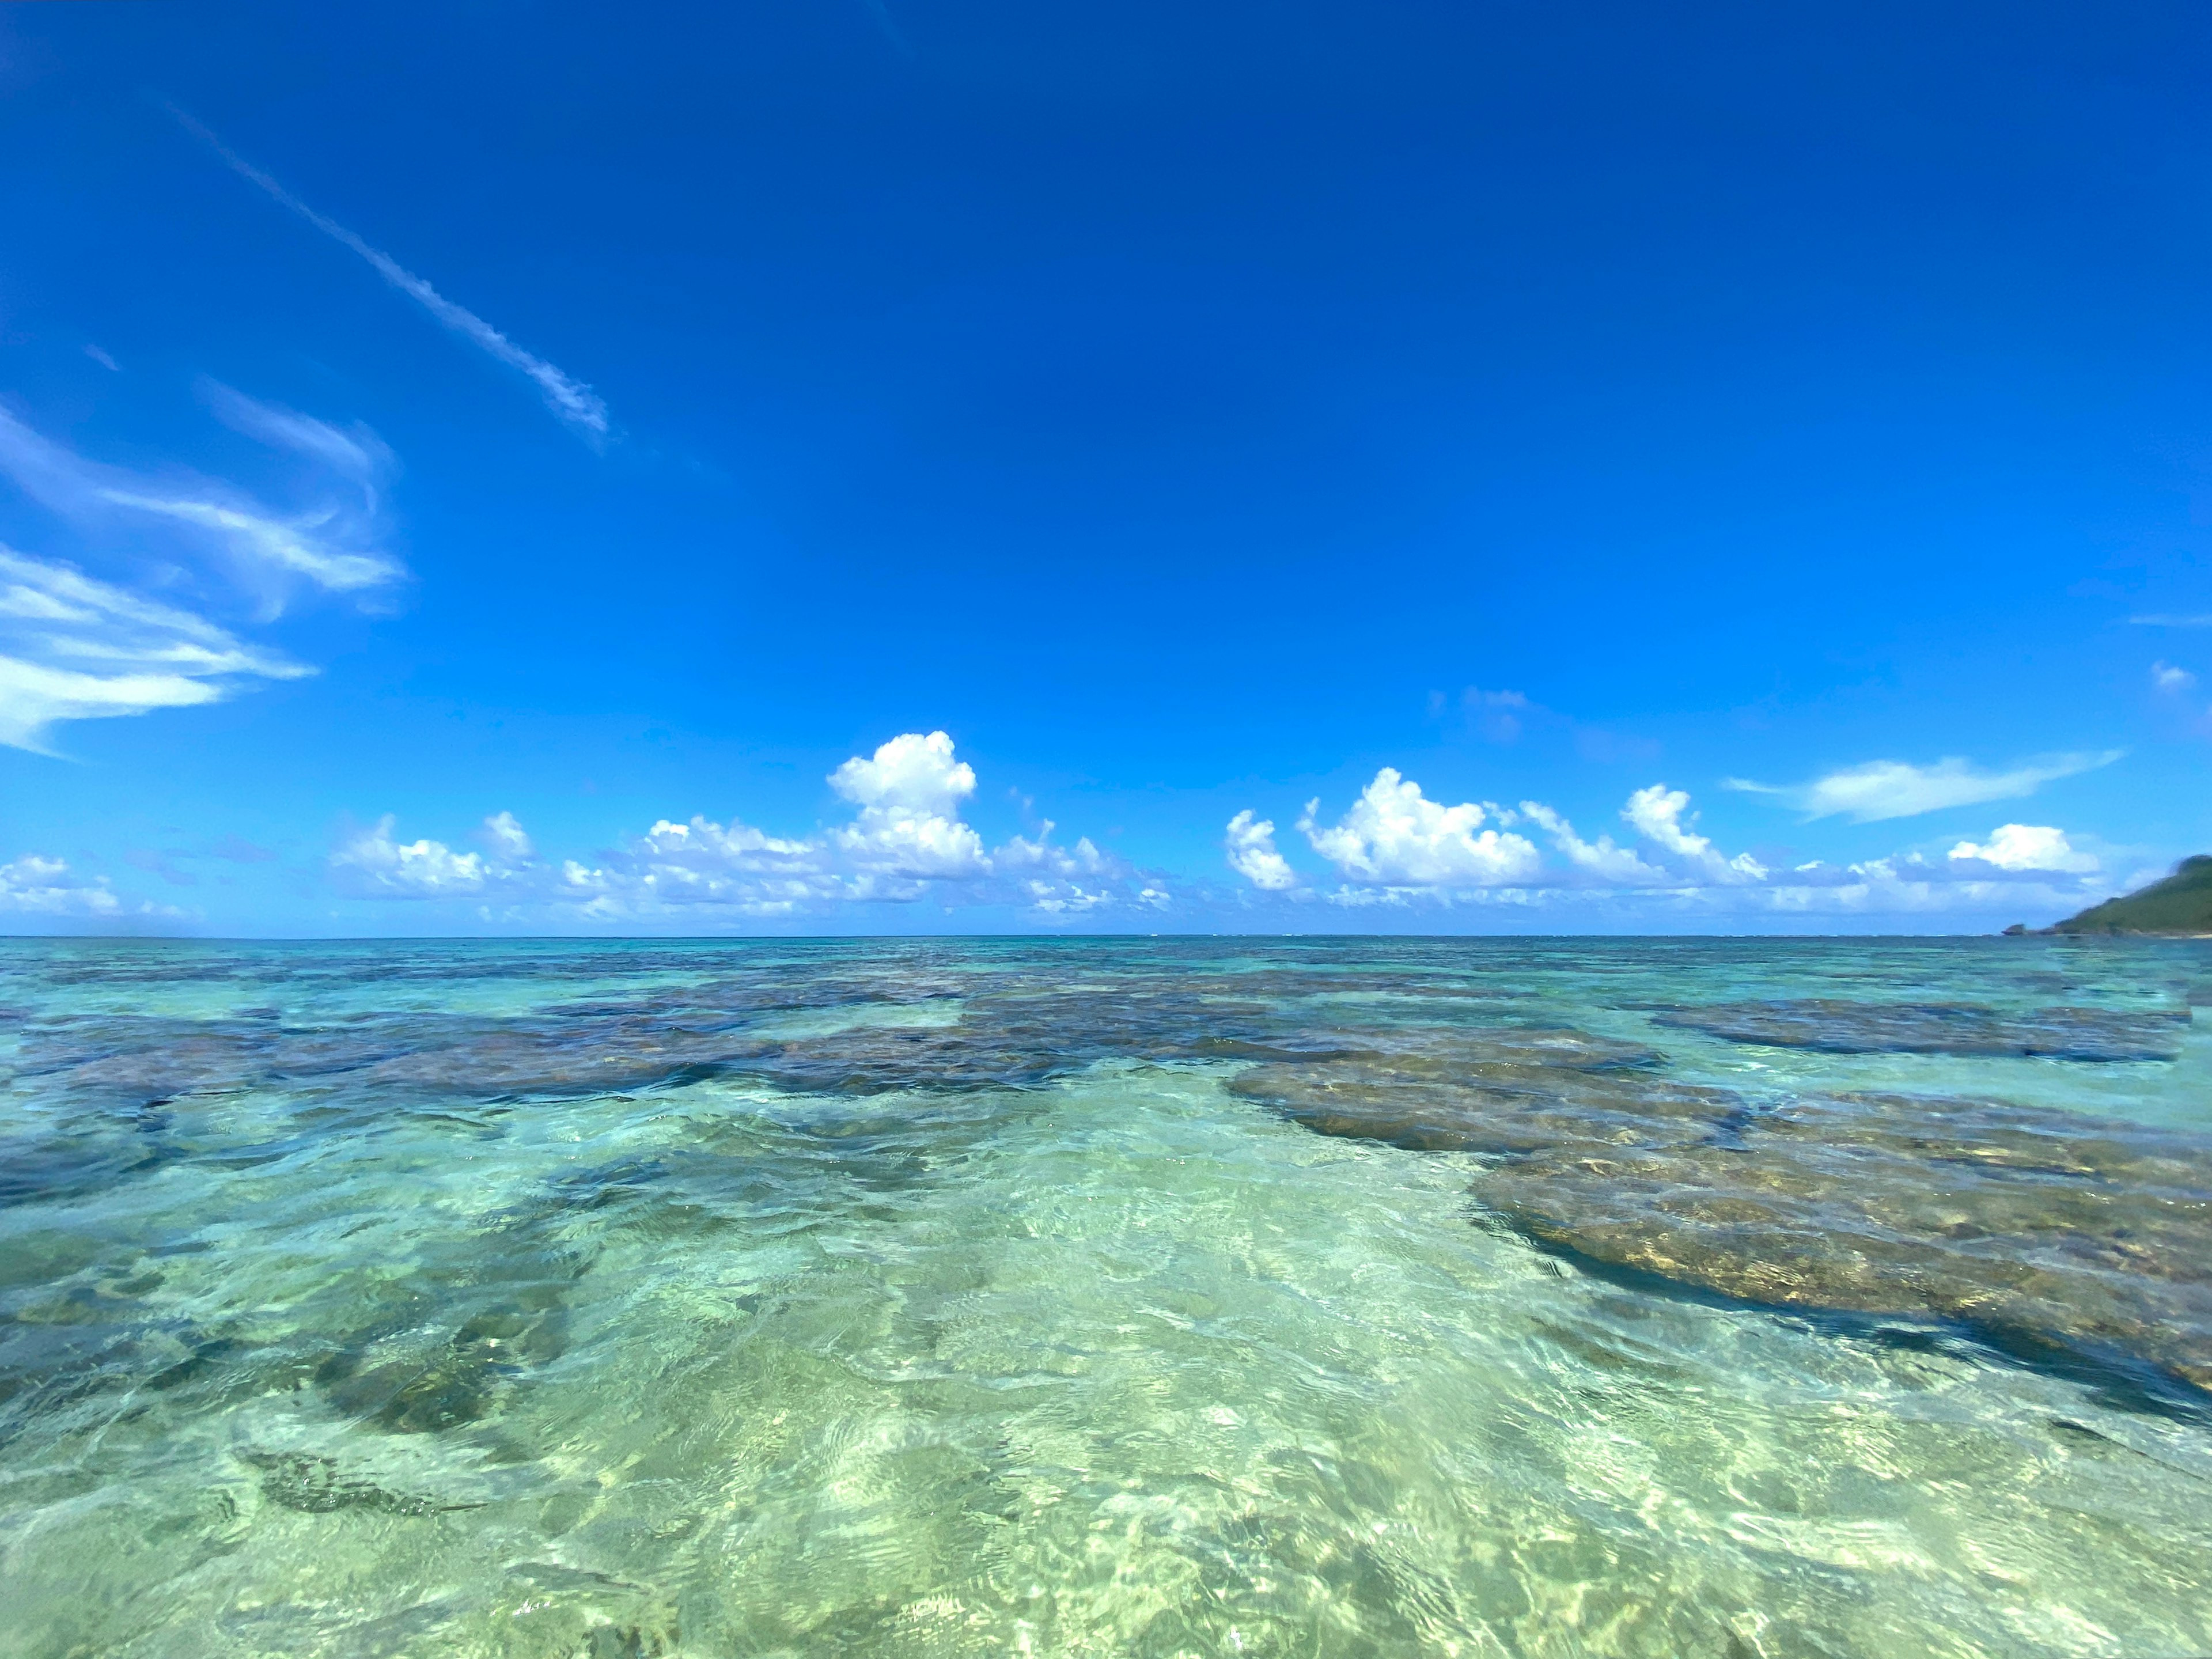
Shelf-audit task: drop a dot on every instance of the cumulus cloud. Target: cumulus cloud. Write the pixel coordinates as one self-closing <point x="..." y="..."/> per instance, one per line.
<point x="2171" y="680"/>
<point x="1896" y="789"/>
<point x="570" y="399"/>
<point x="372" y="863"/>
<point x="35" y="886"/>
<point x="419" y="869"/>
<point x="1396" y="849"/>
<point x="1396" y="836"/>
<point x="1395" y="845"/>
<point x="47" y="888"/>
<point x="905" y="841"/>
<point x="2027" y="847"/>
<point x="909" y="794"/>
<point x="72" y="648"/>
<point x="1083" y="859"/>
<point x="1250" y="845"/>
<point x="702" y="862"/>
<point x="1601" y="858"/>
<point x="504" y="834"/>
<point x="1658" y="814"/>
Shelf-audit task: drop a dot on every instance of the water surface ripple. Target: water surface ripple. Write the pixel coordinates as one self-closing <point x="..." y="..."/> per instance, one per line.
<point x="1107" y="1296"/>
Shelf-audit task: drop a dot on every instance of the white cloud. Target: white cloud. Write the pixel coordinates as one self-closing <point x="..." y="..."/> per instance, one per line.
<point x="1365" y="898"/>
<point x="701" y="862"/>
<point x="739" y="847"/>
<point x="571" y="400"/>
<point x="1896" y="789"/>
<point x="76" y="647"/>
<point x="1656" y="813"/>
<point x="909" y="772"/>
<point x="1250" y="845"/>
<point x="1395" y="850"/>
<point x="72" y="648"/>
<point x="2027" y="847"/>
<point x="36" y="886"/>
<point x="2170" y="679"/>
<point x="504" y="834"/>
<point x="1601" y="858"/>
<point x="1395" y="845"/>
<point x="1084" y="858"/>
<point x="358" y="455"/>
<point x="1064" y="901"/>
<point x="1396" y="836"/>
<point x="2204" y="621"/>
<point x="382" y="867"/>
<point x="287" y="546"/>
<point x="908" y="825"/>
<point x="905" y="842"/>
<point x="371" y="864"/>
<point x="329" y="542"/>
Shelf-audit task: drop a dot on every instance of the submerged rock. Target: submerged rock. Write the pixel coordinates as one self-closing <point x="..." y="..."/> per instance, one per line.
<point x="317" y="1485"/>
<point x="2035" y="1228"/>
<point x="2046" y="1232"/>
<point x="1012" y="1031"/>
<point x="1501" y="1092"/>
<point x="1839" y="1027"/>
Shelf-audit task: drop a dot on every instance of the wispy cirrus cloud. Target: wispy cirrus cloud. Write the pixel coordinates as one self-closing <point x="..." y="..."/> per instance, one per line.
<point x="569" y="398"/>
<point x="73" y="647"/>
<point x="329" y="543"/>
<point x="77" y="645"/>
<point x="355" y="454"/>
<point x="2202" y="619"/>
<point x="1898" y="789"/>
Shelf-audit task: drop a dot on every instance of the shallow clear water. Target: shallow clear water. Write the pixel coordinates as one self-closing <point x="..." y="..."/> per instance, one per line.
<point x="1048" y="1298"/>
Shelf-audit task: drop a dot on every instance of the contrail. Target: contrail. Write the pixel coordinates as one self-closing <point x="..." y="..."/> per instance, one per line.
<point x="573" y="401"/>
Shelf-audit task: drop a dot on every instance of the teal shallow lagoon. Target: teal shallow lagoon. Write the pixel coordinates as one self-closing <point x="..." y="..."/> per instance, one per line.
<point x="1098" y="1296"/>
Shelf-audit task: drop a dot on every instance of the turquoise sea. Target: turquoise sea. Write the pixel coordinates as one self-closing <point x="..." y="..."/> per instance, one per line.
<point x="1315" y="1297"/>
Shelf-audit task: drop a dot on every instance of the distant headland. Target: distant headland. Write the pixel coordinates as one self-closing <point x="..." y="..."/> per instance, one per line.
<point x="2180" y="905"/>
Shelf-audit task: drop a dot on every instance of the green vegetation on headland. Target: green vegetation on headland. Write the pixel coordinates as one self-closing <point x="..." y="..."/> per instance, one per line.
<point x="2182" y="904"/>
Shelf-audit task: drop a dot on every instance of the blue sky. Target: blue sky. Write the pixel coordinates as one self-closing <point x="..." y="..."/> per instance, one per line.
<point x="508" y="467"/>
